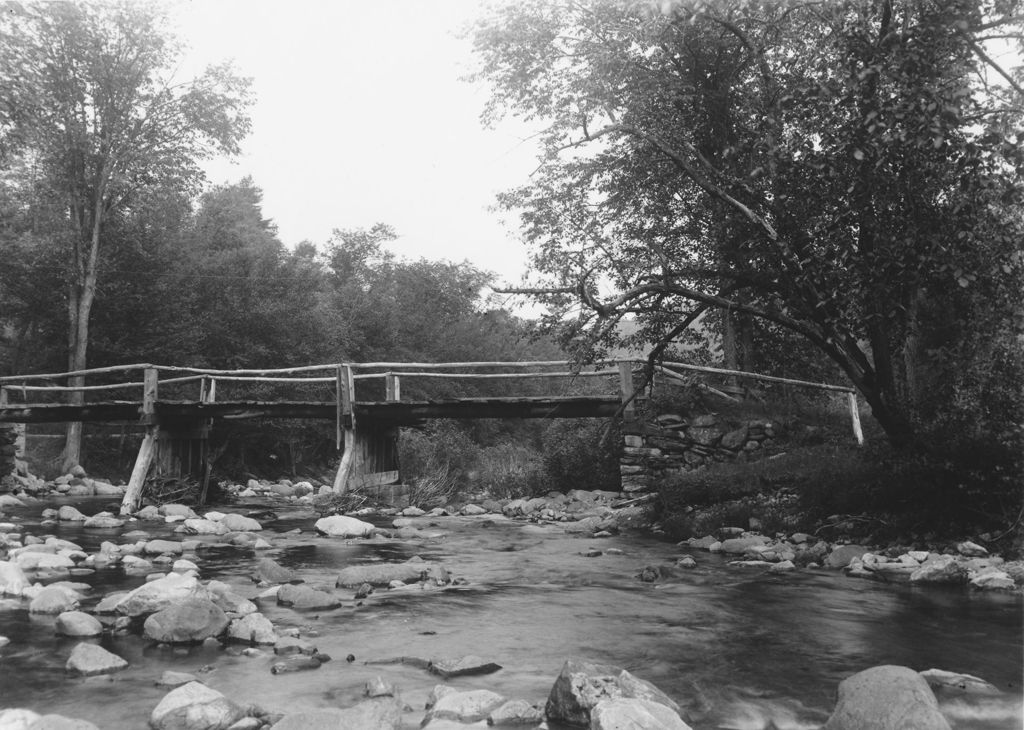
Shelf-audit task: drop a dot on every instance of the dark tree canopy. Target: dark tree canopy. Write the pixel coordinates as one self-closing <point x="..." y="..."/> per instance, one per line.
<point x="849" y="172"/>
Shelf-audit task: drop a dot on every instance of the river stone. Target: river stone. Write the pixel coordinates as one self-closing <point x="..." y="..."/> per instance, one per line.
<point x="841" y="555"/>
<point x="285" y="645"/>
<point x="17" y="718"/>
<point x="342" y="526"/>
<point x="43" y="561"/>
<point x="78" y="623"/>
<point x="886" y="698"/>
<point x="240" y="523"/>
<point x="168" y="590"/>
<point x="627" y="713"/>
<point x="230" y="602"/>
<point x="971" y="549"/>
<point x="176" y="510"/>
<point x="189" y="621"/>
<point x="462" y="666"/>
<point x="993" y="580"/>
<point x="203" y="527"/>
<point x="581" y="685"/>
<point x="67" y="513"/>
<point x="304" y="597"/>
<point x="516" y="712"/>
<point x="703" y="543"/>
<point x="53" y="599"/>
<point x="299" y="663"/>
<point x="9" y="500"/>
<point x="254" y="628"/>
<point x="269" y="571"/>
<point x="740" y="545"/>
<point x="90" y="659"/>
<point x="940" y="569"/>
<point x="195" y="706"/>
<point x="162" y="547"/>
<point x="381" y="574"/>
<point x="12" y="579"/>
<point x="465" y="707"/>
<point x="379" y="713"/>
<point x="103" y="521"/>
<point x="952" y="682"/>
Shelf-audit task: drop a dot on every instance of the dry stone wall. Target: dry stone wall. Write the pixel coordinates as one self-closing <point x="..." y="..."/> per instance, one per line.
<point x="668" y="445"/>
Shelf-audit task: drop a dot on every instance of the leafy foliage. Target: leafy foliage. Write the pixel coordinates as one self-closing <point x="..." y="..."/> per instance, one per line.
<point x="847" y="172"/>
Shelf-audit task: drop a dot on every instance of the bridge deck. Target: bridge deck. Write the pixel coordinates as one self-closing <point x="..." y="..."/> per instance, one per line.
<point x="398" y="413"/>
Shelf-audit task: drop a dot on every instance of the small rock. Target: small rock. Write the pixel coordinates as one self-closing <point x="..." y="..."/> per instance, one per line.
<point x="993" y="580"/>
<point x="886" y="697"/>
<point x="971" y="549"/>
<point x="622" y="713"/>
<point x="90" y="659"/>
<point x="463" y="666"/>
<point x="269" y="571"/>
<point x="254" y="628"/>
<point x="78" y="623"/>
<point x="303" y="597"/>
<point x="194" y="706"/>
<point x="342" y="526"/>
<point x="516" y="712"/>
<point x="686" y="562"/>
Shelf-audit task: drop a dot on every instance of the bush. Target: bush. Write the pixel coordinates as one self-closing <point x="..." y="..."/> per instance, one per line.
<point x="582" y="454"/>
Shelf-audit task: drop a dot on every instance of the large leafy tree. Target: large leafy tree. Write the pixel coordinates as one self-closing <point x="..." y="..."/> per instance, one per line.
<point x="89" y="104"/>
<point x="849" y="172"/>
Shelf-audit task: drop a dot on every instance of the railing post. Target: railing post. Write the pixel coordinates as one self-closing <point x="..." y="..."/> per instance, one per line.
<point x="393" y="387"/>
<point x="207" y="389"/>
<point x="149" y="395"/>
<point x="3" y="396"/>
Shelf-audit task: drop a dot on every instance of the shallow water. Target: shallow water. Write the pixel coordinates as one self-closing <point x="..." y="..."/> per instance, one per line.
<point x="736" y="647"/>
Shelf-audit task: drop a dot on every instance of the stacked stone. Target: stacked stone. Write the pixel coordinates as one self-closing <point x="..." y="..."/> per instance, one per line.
<point x="670" y="444"/>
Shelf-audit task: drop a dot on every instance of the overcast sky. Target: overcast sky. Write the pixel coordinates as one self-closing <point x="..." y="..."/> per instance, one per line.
<point x="361" y="116"/>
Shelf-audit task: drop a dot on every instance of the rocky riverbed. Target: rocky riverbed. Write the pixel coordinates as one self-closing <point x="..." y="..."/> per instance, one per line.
<point x="561" y="611"/>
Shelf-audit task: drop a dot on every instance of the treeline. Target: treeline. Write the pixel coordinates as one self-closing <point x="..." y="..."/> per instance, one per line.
<point x="214" y="286"/>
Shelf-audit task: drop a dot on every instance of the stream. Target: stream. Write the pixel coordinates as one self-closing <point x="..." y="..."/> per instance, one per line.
<point x="736" y="647"/>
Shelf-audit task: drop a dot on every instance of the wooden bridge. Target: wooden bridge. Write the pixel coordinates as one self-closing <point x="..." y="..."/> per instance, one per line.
<point x="177" y="406"/>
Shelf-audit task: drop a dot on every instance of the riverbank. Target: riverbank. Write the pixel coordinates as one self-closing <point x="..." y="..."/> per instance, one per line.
<point x="734" y="645"/>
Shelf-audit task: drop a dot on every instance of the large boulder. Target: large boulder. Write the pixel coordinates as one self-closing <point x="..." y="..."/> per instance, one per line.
<point x="255" y="628"/>
<point x="468" y="706"/>
<point x="581" y="685"/>
<point x="103" y="521"/>
<point x="342" y="526"/>
<point x="195" y="706"/>
<point x="240" y="523"/>
<point x="187" y="622"/>
<point x="269" y="571"/>
<point x="633" y="714"/>
<point x="90" y="659"/>
<point x="303" y="597"/>
<point x="886" y="698"/>
<point x="54" y="600"/>
<point x="940" y="569"/>
<point x="841" y="555"/>
<point x="203" y="527"/>
<point x="67" y="513"/>
<point x="17" y="718"/>
<point x="78" y="623"/>
<point x="740" y="545"/>
<point x="162" y="547"/>
<point x="379" y="713"/>
<point x="381" y="574"/>
<point x="170" y="590"/>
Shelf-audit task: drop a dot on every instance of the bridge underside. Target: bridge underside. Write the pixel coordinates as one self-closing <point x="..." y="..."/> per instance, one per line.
<point x="401" y="413"/>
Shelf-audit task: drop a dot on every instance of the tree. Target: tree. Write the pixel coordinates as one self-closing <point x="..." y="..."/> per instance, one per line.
<point x="844" y="171"/>
<point x="90" y="105"/>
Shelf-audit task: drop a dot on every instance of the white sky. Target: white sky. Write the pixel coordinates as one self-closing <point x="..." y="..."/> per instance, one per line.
<point x="361" y="117"/>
